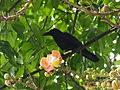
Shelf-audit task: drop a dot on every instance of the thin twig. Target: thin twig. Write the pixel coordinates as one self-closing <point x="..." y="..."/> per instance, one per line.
<point x="28" y="23"/>
<point x="97" y="38"/>
<point x="21" y="11"/>
<point x="75" y="18"/>
<point x="56" y="21"/>
<point x="35" y="87"/>
<point x="32" y="73"/>
<point x="82" y="8"/>
<point x="109" y="22"/>
<point x="74" y="21"/>
<point x="63" y="11"/>
<point x="100" y="14"/>
<point x="45" y="21"/>
<point x="76" y="83"/>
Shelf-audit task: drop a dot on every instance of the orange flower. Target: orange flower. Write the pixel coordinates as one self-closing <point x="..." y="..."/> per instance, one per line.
<point x="52" y="61"/>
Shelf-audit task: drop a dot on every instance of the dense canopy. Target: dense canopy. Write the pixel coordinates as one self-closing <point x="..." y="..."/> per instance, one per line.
<point x="95" y="23"/>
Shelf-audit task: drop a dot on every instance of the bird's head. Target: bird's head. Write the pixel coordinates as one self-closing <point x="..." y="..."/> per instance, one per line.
<point x="52" y="32"/>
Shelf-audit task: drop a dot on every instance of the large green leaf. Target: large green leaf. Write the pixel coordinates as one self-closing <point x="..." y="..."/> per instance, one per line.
<point x="20" y="71"/>
<point x="6" y="48"/>
<point x="19" y="28"/>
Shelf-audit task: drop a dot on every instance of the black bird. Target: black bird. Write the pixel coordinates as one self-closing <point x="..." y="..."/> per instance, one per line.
<point x="68" y="42"/>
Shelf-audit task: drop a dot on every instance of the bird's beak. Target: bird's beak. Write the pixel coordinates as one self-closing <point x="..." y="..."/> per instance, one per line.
<point x="46" y="34"/>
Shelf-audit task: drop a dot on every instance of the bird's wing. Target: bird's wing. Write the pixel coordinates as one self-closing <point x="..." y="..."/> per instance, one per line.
<point x="75" y="43"/>
<point x="71" y="41"/>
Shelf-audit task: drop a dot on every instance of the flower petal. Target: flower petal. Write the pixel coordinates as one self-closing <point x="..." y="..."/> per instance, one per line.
<point x="56" y="63"/>
<point x="44" y="62"/>
<point x="49" y="68"/>
<point x="55" y="53"/>
<point x="50" y="58"/>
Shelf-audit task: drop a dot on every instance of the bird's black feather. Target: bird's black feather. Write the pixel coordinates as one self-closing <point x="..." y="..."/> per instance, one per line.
<point x="68" y="42"/>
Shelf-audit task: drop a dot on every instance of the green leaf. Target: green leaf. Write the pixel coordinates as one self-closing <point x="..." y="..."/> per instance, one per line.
<point x="6" y="48"/>
<point x="26" y="46"/>
<point x="117" y="62"/>
<point x="117" y="46"/>
<point x="30" y="68"/>
<point x="28" y="56"/>
<point x="107" y="1"/>
<point x="85" y="21"/>
<point x="19" y="28"/>
<point x="3" y="61"/>
<point x="5" y="4"/>
<point x="44" y="11"/>
<point x="20" y="71"/>
<point x="55" y="3"/>
<point x="37" y="5"/>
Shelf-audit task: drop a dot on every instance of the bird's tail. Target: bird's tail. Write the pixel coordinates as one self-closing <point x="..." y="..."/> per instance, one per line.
<point x="89" y="55"/>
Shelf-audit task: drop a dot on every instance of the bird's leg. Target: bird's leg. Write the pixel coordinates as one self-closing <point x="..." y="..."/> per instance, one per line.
<point x="67" y="52"/>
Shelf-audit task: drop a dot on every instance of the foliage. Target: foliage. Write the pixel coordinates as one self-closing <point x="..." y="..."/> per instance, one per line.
<point x="22" y="44"/>
<point x="92" y="79"/>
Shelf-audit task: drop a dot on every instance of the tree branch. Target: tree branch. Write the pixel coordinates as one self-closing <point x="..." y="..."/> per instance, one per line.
<point x="3" y="18"/>
<point x="100" y="14"/>
<point x="76" y="83"/>
<point x="32" y="73"/>
<point x="89" y="42"/>
<point x="25" y="76"/>
<point x="74" y="21"/>
<point x="109" y="22"/>
<point x="83" y="8"/>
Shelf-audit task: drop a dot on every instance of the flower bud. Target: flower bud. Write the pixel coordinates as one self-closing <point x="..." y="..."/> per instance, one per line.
<point x="94" y="71"/>
<point x="91" y="68"/>
<point x="98" y="84"/>
<point x="91" y="86"/>
<point x="47" y="74"/>
<point x="103" y="84"/>
<point x="105" y="8"/>
<point x="19" y="80"/>
<point x="88" y="77"/>
<point x="6" y="76"/>
<point x="28" y="82"/>
<point x="113" y="67"/>
<point x="7" y="82"/>
<point x="40" y="67"/>
<point x="102" y="71"/>
<point x="98" y="69"/>
<point x="118" y="69"/>
<point x="116" y="84"/>
<point x="93" y="77"/>
<point x="85" y="71"/>
<point x="14" y="85"/>
<point x="106" y="73"/>
<point x="113" y="74"/>
<point x="108" y="84"/>
<point x="88" y="69"/>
